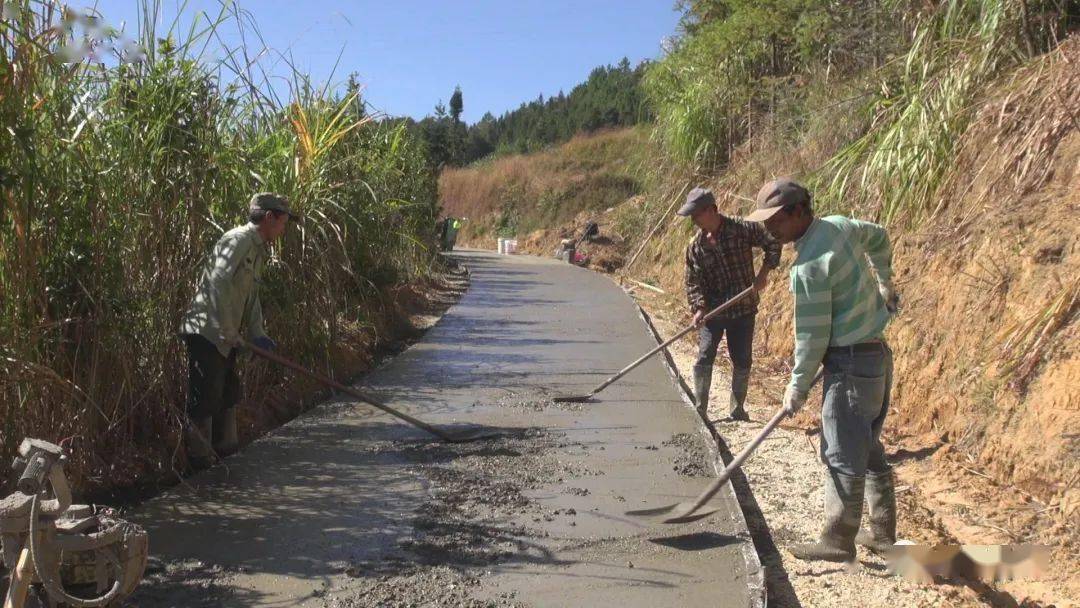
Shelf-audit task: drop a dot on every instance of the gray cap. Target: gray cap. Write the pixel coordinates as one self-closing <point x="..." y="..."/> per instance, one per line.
<point x="268" y="201"/>
<point x="698" y="198"/>
<point x="776" y="195"/>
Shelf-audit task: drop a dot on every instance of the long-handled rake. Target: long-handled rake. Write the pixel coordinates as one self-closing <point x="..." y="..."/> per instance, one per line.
<point x="420" y="424"/>
<point x="626" y="370"/>
<point x="685" y="512"/>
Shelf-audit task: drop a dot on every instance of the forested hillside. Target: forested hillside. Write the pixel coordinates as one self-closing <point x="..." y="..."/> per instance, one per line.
<point x="610" y="97"/>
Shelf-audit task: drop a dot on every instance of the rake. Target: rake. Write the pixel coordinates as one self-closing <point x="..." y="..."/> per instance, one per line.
<point x="712" y="313"/>
<point x="366" y="398"/>
<point x="685" y="512"/>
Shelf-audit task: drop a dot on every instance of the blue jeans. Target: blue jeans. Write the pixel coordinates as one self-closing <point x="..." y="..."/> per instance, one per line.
<point x="740" y="341"/>
<point x="857" y="387"/>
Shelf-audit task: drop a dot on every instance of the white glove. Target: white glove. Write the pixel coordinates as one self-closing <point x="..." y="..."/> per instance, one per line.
<point x="699" y="318"/>
<point x="888" y="293"/>
<point x="793" y="400"/>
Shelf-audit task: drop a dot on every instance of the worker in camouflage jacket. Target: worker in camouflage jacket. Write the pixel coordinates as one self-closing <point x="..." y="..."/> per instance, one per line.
<point x="226" y="308"/>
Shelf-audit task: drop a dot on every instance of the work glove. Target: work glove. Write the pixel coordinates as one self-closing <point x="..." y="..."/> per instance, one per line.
<point x="760" y="282"/>
<point x="699" y="318"/>
<point x="793" y="400"/>
<point x="265" y="343"/>
<point x="889" y="294"/>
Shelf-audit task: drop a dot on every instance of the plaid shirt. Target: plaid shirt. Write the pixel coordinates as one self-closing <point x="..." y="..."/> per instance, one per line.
<point x="716" y="273"/>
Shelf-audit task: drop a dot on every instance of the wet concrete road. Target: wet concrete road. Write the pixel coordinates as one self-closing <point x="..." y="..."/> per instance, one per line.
<point x="296" y="508"/>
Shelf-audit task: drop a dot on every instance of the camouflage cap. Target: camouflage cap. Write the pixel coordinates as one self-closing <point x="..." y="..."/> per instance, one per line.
<point x="268" y="201"/>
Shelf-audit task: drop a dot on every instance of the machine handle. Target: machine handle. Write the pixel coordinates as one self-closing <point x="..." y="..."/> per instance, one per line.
<point x="34" y="474"/>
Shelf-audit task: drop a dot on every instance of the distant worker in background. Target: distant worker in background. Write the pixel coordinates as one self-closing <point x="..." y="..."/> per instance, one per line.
<point x="592" y="229"/>
<point x="568" y="248"/>
<point x="844" y="298"/>
<point x="440" y="232"/>
<point x="719" y="265"/>
<point x="448" y="237"/>
<point x="226" y="306"/>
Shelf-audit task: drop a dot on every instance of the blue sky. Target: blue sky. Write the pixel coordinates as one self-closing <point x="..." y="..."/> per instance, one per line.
<point x="411" y="53"/>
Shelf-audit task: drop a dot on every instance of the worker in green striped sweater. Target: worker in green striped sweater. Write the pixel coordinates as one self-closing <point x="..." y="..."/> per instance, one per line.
<point x="844" y="298"/>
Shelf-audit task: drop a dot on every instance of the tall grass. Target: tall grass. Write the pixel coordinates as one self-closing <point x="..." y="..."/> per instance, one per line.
<point x="115" y="179"/>
<point x="925" y="101"/>
<point x="729" y="78"/>
<point x="912" y="72"/>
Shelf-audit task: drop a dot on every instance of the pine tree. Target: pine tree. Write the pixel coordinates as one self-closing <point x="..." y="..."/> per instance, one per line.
<point x="456" y="105"/>
<point x="457" y="131"/>
<point x="353" y="87"/>
<point x="611" y="96"/>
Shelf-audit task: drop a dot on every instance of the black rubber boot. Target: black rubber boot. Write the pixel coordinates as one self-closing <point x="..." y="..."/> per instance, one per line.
<point x="228" y="442"/>
<point x="740" y="382"/>
<point x="881" y="500"/>
<point x="198" y="436"/>
<point x="843" y="510"/>
<point x="702" y="382"/>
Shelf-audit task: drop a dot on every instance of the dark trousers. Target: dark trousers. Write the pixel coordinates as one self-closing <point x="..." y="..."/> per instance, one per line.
<point x="213" y="385"/>
<point x="740" y="341"/>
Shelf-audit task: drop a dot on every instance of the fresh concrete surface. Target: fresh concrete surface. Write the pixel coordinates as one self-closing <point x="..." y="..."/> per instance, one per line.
<point x="338" y="486"/>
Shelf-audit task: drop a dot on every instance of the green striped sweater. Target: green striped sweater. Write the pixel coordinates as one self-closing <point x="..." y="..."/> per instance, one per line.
<point x="836" y="296"/>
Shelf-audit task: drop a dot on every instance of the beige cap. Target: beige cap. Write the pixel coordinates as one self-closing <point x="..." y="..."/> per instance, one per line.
<point x="776" y="195"/>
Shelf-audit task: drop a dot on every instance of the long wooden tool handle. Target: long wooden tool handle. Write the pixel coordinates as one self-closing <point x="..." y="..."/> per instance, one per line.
<point x="744" y="454"/>
<point x="276" y="358"/>
<point x="736" y="463"/>
<point x="712" y="313"/>
<point x="21" y="576"/>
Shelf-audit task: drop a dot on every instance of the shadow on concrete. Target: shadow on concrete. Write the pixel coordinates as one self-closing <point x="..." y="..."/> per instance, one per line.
<point x="270" y="508"/>
<point x="697" y="541"/>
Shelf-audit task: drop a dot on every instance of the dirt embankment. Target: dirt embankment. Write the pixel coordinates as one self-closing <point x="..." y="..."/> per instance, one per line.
<point x="988" y="370"/>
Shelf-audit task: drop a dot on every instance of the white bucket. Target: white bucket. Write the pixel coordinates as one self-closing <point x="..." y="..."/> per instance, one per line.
<point x="502" y="245"/>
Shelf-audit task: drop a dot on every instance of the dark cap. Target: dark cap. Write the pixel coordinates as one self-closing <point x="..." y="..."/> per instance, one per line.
<point x="698" y="198"/>
<point x="776" y="195"/>
<point x="268" y="201"/>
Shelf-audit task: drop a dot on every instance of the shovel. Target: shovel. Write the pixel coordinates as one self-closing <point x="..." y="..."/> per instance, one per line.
<point x="420" y="424"/>
<point x="712" y="313"/>
<point x="686" y="512"/>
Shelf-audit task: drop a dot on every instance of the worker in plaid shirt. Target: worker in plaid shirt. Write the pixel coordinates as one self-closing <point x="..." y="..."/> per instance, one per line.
<point x="719" y="265"/>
